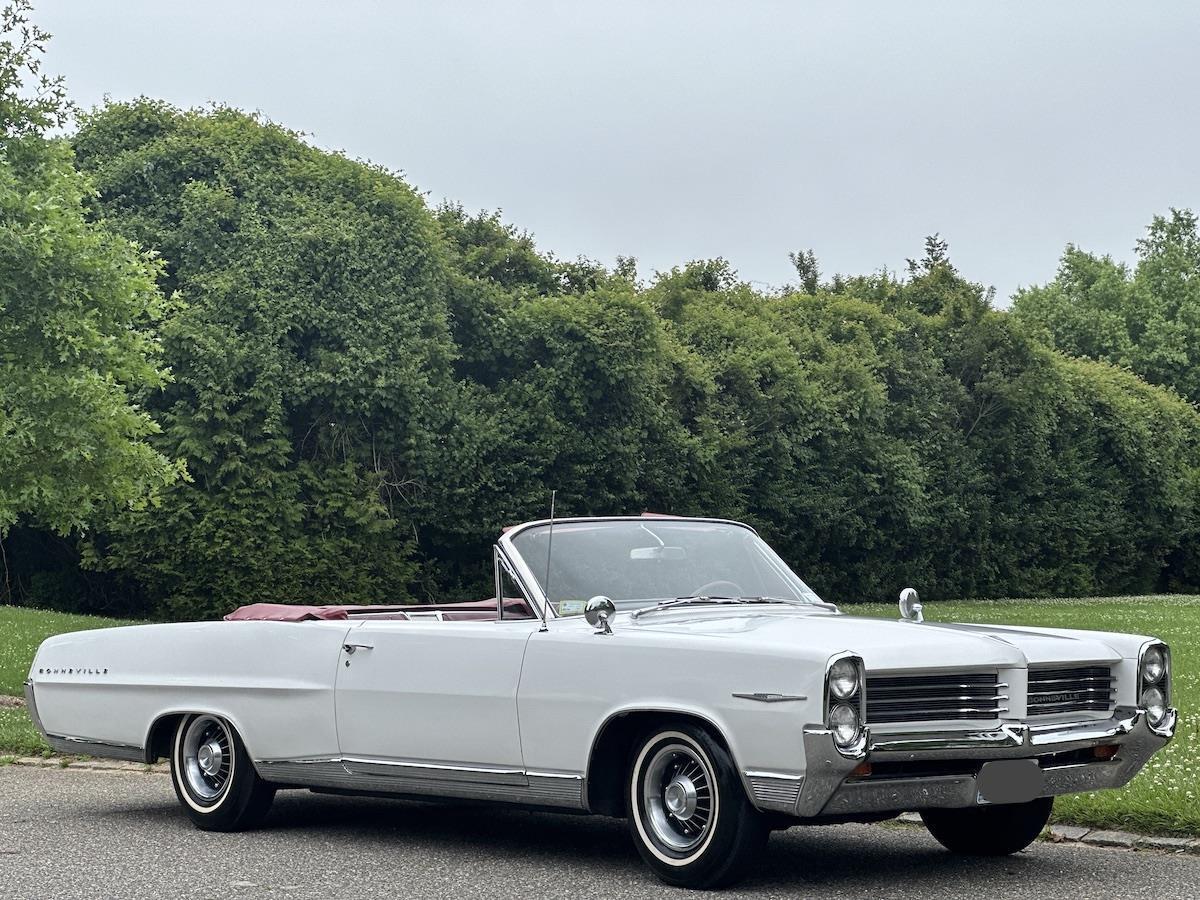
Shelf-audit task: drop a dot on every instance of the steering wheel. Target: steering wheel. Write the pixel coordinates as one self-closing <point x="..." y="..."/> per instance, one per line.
<point x="718" y="589"/>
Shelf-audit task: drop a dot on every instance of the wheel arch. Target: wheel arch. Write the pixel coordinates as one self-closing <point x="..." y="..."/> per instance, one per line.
<point x="161" y="734"/>
<point x="612" y="746"/>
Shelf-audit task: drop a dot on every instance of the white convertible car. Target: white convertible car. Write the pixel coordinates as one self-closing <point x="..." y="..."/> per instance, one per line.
<point x="672" y="671"/>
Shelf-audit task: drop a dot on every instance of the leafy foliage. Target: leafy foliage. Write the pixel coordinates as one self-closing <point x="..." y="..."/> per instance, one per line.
<point x="78" y="313"/>
<point x="312" y="389"/>
<point x="1147" y="320"/>
<point x="919" y="436"/>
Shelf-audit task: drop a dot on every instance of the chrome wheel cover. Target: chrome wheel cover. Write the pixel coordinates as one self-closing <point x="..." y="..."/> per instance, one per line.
<point x="206" y="757"/>
<point x="677" y="798"/>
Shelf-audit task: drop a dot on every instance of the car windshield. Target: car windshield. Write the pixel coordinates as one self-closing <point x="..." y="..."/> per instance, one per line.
<point x="642" y="563"/>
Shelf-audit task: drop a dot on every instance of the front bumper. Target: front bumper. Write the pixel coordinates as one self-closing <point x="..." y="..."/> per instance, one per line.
<point x="828" y="787"/>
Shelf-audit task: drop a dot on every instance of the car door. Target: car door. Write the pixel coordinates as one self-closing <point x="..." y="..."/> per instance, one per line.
<point x="421" y="696"/>
<point x="433" y="700"/>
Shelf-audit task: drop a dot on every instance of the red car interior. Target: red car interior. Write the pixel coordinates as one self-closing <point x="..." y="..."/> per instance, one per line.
<point x="468" y="611"/>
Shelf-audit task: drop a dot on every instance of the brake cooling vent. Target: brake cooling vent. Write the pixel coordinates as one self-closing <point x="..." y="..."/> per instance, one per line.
<point x="774" y="791"/>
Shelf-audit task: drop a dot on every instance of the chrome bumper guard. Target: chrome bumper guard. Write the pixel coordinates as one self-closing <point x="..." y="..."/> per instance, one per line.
<point x="828" y="788"/>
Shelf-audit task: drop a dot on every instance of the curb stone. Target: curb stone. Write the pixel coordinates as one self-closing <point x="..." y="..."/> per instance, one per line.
<point x="40" y="762"/>
<point x="1167" y="844"/>
<point x="1110" y="839"/>
<point x="95" y="765"/>
<point x="1062" y="833"/>
<point x="1089" y="837"/>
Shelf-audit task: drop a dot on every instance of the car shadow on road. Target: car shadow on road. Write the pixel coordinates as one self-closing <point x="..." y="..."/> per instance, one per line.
<point x="864" y="858"/>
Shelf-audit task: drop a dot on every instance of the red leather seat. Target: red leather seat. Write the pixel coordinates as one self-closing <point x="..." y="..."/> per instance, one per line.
<point x="468" y="611"/>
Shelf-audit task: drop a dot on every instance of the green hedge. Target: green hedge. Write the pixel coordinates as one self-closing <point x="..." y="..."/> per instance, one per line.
<point x="366" y="391"/>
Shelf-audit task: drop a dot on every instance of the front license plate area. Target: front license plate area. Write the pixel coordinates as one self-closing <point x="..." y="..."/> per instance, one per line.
<point x="1010" y="781"/>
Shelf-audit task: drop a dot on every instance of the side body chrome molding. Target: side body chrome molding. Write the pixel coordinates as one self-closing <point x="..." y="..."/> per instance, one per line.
<point x="381" y="776"/>
<point x="763" y="697"/>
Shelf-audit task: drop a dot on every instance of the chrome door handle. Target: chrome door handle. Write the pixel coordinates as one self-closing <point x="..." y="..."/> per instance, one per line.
<point x="350" y="648"/>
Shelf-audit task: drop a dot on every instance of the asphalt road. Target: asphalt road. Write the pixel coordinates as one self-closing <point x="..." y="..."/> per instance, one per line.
<point x="77" y="834"/>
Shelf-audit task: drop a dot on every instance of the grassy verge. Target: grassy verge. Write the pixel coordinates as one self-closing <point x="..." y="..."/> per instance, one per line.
<point x="1161" y="800"/>
<point x="18" y="737"/>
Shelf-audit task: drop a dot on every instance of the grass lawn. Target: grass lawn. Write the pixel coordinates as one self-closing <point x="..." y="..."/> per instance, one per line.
<point x="1162" y="799"/>
<point x="18" y="737"/>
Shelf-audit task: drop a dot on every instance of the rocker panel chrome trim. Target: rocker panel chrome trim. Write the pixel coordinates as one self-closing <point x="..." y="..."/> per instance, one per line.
<point x="428" y="779"/>
<point x="390" y="768"/>
<point x="87" y="747"/>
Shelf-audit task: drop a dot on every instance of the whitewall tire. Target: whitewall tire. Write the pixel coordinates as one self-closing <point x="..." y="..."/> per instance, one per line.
<point x="213" y="777"/>
<point x="688" y="812"/>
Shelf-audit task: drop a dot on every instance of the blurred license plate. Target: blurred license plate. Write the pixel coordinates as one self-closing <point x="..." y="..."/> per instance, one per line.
<point x="1010" y="781"/>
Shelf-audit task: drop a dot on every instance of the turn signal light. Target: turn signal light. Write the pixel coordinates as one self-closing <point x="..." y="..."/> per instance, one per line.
<point x="1105" y="751"/>
<point x="862" y="770"/>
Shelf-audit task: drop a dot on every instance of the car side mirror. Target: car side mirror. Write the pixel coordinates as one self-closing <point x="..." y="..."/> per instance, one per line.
<point x="598" y="612"/>
<point x="910" y="606"/>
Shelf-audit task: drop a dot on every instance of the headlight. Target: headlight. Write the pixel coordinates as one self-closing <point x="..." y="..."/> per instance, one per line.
<point x="844" y="723"/>
<point x="1154" y="665"/>
<point x="843" y="679"/>
<point x="1155" y="704"/>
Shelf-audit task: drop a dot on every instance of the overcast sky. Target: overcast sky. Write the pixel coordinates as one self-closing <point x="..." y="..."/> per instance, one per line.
<point x="676" y="131"/>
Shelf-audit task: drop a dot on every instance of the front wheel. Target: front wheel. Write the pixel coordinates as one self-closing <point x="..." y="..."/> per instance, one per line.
<point x="688" y="812"/>
<point x="214" y="778"/>
<point x="989" y="830"/>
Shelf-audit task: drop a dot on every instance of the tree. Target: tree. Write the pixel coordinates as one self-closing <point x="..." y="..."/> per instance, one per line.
<point x="805" y="264"/>
<point x="78" y="312"/>
<point x="1147" y="320"/>
<point x="312" y="392"/>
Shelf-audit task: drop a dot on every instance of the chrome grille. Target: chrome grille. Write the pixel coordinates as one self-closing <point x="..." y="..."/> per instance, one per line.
<point x="919" y="698"/>
<point x="1070" y="689"/>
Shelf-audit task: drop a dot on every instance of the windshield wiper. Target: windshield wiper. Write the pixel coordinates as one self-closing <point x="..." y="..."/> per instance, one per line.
<point x="685" y="601"/>
<point x="819" y="604"/>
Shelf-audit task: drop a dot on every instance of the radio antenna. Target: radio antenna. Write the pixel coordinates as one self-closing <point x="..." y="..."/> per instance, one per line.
<point x="549" y="550"/>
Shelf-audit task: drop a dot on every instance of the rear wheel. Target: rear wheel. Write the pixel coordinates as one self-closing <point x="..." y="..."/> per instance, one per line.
<point x="688" y="812"/>
<point x="989" y="830"/>
<point x="213" y="777"/>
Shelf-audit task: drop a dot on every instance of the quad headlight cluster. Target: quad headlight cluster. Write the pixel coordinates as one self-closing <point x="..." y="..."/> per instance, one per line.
<point x="1154" y="677"/>
<point x="844" y="703"/>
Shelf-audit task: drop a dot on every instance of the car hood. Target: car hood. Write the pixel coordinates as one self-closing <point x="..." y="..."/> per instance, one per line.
<point x="882" y="643"/>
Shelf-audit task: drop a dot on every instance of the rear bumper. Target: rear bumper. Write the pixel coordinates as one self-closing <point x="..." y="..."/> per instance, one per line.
<point x="31" y="706"/>
<point x="828" y="787"/>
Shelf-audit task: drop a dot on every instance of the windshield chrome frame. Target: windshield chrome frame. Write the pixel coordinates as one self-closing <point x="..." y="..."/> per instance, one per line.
<point x="525" y="574"/>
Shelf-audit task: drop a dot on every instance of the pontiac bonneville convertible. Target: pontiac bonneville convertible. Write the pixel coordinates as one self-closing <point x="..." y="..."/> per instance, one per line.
<point x="672" y="671"/>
